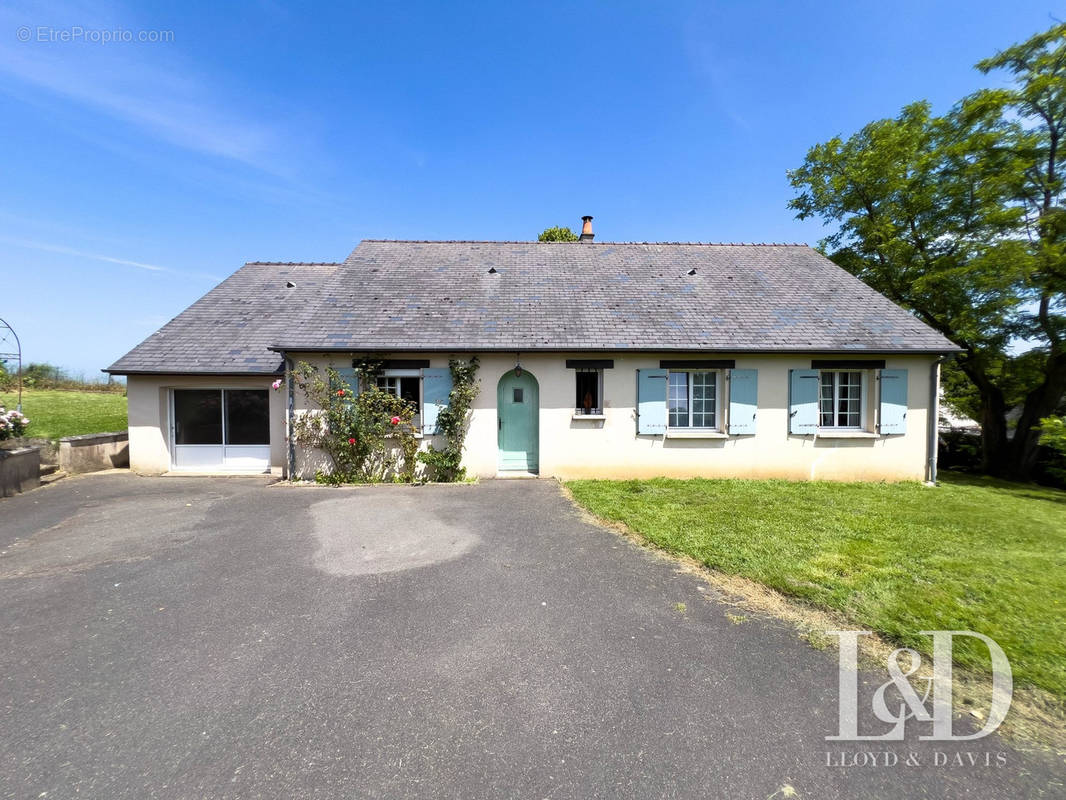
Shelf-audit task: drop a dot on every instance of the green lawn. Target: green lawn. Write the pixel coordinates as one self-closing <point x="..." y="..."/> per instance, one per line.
<point x="971" y="554"/>
<point x="54" y="414"/>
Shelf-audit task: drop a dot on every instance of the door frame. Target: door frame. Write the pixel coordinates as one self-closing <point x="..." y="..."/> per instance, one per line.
<point x="234" y="450"/>
<point x="535" y="434"/>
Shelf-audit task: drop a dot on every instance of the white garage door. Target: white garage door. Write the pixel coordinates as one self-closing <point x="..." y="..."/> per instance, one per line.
<point x="227" y="430"/>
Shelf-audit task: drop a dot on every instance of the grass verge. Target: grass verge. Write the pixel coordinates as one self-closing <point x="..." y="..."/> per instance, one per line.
<point x="972" y="554"/>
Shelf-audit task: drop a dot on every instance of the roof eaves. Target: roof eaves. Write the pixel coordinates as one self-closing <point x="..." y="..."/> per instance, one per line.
<point x="601" y="244"/>
<point x="207" y="373"/>
<point x="593" y="349"/>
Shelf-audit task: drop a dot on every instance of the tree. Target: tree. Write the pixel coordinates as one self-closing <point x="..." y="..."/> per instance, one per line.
<point x="557" y="234"/>
<point x="958" y="219"/>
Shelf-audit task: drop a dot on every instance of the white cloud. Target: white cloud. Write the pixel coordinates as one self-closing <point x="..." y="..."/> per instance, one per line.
<point x="147" y="86"/>
<point x="48" y="247"/>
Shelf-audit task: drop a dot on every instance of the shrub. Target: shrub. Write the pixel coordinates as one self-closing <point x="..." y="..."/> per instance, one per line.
<point x="1053" y="437"/>
<point x="452" y="423"/>
<point x="12" y="424"/>
<point x="959" y="449"/>
<point x="48" y="376"/>
<point x="360" y="432"/>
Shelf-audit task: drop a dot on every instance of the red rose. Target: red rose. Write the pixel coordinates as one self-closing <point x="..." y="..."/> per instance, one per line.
<point x="395" y="420"/>
<point x="351" y="441"/>
<point x="340" y="393"/>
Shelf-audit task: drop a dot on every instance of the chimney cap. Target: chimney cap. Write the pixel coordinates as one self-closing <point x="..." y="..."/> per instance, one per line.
<point x="586" y="229"/>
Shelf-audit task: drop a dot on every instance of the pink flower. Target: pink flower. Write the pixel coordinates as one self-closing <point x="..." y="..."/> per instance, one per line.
<point x="276" y="384"/>
<point x="351" y="441"/>
<point x="395" y="420"/>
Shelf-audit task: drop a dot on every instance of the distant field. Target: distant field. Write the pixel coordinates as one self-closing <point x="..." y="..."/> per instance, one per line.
<point x="54" y="414"/>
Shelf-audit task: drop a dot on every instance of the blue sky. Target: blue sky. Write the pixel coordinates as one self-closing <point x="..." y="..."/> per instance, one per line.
<point x="136" y="175"/>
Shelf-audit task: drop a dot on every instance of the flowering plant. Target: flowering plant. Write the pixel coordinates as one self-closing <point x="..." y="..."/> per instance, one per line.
<point x="276" y="384"/>
<point x="12" y="423"/>
<point x="369" y="435"/>
<point x="446" y="462"/>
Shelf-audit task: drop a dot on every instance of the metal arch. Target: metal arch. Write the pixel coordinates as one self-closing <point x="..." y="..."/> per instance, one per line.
<point x="7" y="333"/>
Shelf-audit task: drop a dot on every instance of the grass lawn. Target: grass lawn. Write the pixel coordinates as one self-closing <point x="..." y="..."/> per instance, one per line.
<point x="971" y="554"/>
<point x="54" y="414"/>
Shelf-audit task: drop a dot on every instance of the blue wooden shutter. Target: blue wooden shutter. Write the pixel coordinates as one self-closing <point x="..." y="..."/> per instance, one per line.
<point x="651" y="401"/>
<point x="803" y="401"/>
<point x="743" y="400"/>
<point x="351" y="377"/>
<point x="893" y="400"/>
<point x="436" y="386"/>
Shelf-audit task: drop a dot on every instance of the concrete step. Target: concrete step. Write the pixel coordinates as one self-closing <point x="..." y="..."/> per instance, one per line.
<point x="52" y="477"/>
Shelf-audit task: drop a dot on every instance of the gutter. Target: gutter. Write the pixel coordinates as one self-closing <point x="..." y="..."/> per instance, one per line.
<point x="195" y="373"/>
<point x="290" y="465"/>
<point x="933" y="421"/>
<point x="277" y="348"/>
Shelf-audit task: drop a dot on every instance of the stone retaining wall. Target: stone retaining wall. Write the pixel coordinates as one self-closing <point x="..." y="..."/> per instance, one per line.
<point x="93" y="452"/>
<point x="20" y="470"/>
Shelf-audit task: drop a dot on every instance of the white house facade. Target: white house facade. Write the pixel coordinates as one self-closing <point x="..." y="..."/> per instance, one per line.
<point x="598" y="360"/>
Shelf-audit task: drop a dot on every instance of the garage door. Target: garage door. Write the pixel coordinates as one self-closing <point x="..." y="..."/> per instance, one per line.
<point x="221" y="429"/>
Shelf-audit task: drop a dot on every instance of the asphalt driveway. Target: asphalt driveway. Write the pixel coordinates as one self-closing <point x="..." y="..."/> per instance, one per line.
<point x="189" y="637"/>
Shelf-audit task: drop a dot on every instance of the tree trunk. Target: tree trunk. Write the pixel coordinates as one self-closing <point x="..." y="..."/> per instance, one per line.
<point x="1042" y="402"/>
<point x="992" y="418"/>
<point x="995" y="446"/>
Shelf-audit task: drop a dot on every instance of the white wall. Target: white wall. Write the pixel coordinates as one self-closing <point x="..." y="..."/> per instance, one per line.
<point x="611" y="448"/>
<point x="149" y="416"/>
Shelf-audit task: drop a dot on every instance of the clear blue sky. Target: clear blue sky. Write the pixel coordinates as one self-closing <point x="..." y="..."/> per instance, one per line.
<point x="136" y="175"/>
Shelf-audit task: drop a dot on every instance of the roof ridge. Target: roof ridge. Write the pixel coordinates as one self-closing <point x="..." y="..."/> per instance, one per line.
<point x="533" y="241"/>
<point x="294" y="263"/>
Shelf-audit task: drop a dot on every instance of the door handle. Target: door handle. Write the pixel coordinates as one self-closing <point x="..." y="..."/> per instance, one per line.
<point x="499" y="423"/>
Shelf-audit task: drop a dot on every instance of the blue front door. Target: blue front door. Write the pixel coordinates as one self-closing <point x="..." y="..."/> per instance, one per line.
<point x="518" y="406"/>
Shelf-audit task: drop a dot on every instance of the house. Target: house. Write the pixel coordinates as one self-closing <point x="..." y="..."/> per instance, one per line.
<point x="598" y="359"/>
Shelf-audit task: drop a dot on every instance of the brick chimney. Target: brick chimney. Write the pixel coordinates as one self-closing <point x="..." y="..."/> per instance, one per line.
<point x="586" y="229"/>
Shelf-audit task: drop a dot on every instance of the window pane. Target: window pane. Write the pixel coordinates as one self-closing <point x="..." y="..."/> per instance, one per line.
<point x="247" y="416"/>
<point x="825" y="400"/>
<point x="704" y="385"/>
<point x="849" y="404"/>
<point x="587" y="398"/>
<point x="408" y="389"/>
<point x="677" y="404"/>
<point x="198" y="416"/>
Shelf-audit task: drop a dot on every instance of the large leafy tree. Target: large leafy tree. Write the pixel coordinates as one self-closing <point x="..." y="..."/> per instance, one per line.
<point x="958" y="218"/>
<point x="557" y="233"/>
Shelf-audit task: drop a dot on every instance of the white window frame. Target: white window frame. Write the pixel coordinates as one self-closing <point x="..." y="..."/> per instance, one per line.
<point x="596" y="411"/>
<point x="864" y="383"/>
<point x="406" y="373"/>
<point x="719" y="383"/>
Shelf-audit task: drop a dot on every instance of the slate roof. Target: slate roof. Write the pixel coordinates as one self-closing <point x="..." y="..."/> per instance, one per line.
<point x="229" y="329"/>
<point x="526" y="296"/>
<point x="393" y="295"/>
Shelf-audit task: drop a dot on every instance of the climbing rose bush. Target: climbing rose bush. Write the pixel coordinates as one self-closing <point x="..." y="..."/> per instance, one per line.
<point x="369" y="436"/>
<point x="12" y="423"/>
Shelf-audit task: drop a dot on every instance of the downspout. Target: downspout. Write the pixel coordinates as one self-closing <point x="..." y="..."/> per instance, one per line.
<point x="291" y="465"/>
<point x="934" y="419"/>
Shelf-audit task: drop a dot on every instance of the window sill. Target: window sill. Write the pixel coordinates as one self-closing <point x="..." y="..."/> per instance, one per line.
<point x="831" y="434"/>
<point x="579" y="417"/>
<point x="681" y="433"/>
